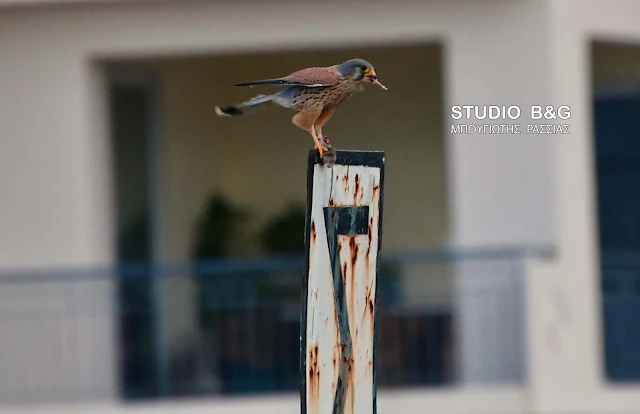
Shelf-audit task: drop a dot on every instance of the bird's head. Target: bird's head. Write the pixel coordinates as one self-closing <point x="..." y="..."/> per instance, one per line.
<point x="360" y="70"/>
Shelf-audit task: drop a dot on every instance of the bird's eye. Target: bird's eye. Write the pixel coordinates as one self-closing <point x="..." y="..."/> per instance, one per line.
<point x="363" y="68"/>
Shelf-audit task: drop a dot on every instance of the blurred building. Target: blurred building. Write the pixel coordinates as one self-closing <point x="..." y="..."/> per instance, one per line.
<point x="150" y="252"/>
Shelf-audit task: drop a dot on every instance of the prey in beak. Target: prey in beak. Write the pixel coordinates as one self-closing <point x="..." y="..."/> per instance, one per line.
<point x="373" y="78"/>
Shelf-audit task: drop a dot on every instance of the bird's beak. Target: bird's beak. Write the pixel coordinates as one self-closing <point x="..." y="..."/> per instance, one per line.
<point x="373" y="78"/>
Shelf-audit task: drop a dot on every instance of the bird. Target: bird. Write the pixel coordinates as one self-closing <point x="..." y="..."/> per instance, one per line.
<point x="313" y="92"/>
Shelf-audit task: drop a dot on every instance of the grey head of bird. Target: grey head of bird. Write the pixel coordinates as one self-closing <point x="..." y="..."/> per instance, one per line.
<point x="360" y="70"/>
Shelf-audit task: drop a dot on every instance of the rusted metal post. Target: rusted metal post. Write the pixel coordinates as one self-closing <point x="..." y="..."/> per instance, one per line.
<point x="338" y="318"/>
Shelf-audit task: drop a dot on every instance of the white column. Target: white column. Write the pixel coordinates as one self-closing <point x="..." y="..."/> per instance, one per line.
<point x="500" y="184"/>
<point x="564" y="294"/>
<point x="57" y="335"/>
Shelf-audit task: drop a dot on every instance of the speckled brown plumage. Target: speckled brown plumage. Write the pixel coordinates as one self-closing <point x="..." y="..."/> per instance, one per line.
<point x="314" y="92"/>
<point x="327" y="96"/>
<point x="314" y="76"/>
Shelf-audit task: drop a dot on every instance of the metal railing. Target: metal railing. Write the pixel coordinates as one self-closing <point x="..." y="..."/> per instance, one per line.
<point x="621" y="315"/>
<point x="229" y="327"/>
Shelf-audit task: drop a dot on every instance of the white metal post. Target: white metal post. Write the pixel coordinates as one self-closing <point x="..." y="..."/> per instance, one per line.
<point x="338" y="323"/>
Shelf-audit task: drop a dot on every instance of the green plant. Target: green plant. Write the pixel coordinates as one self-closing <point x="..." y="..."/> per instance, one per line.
<point x="284" y="233"/>
<point x="219" y="225"/>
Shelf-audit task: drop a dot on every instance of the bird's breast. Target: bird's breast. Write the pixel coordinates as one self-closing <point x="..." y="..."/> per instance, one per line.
<point x="339" y="93"/>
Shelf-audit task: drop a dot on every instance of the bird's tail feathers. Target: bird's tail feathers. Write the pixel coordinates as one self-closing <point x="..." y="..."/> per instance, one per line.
<point x="275" y="81"/>
<point x="245" y="107"/>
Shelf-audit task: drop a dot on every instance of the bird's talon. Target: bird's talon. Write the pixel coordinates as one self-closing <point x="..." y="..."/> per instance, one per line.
<point x="321" y="150"/>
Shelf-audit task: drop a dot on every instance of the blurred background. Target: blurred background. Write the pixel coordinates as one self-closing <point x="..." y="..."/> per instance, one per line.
<point x="151" y="253"/>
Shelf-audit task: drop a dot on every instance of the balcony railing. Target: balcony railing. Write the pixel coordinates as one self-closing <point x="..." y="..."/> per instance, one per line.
<point x="232" y="327"/>
<point x="621" y="312"/>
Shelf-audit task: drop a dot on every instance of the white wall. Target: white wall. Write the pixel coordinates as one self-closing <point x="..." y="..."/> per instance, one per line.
<point x="541" y="189"/>
<point x="501" y="184"/>
<point x="564" y="294"/>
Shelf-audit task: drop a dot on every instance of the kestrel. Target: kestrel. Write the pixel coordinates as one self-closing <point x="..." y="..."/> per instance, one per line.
<point x="314" y="93"/>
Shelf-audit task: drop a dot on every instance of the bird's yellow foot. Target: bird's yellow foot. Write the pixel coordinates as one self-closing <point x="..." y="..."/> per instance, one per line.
<point x="321" y="149"/>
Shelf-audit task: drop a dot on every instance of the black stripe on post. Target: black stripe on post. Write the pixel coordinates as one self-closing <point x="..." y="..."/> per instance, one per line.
<point x="347" y="221"/>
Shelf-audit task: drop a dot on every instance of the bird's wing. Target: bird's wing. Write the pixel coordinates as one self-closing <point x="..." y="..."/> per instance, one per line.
<point x="309" y="77"/>
<point x="312" y="77"/>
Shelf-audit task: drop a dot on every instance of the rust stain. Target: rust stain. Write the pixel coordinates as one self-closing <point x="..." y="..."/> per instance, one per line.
<point x="313" y="231"/>
<point x="344" y="275"/>
<point x="345" y="180"/>
<point x="371" y="315"/>
<point x="344" y="267"/>
<point x="336" y="364"/>
<point x="369" y="308"/>
<point x="331" y="202"/>
<point x="375" y="198"/>
<point x="353" y="247"/>
<point x="314" y="377"/>
<point x="349" y="394"/>
<point x="338" y="349"/>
